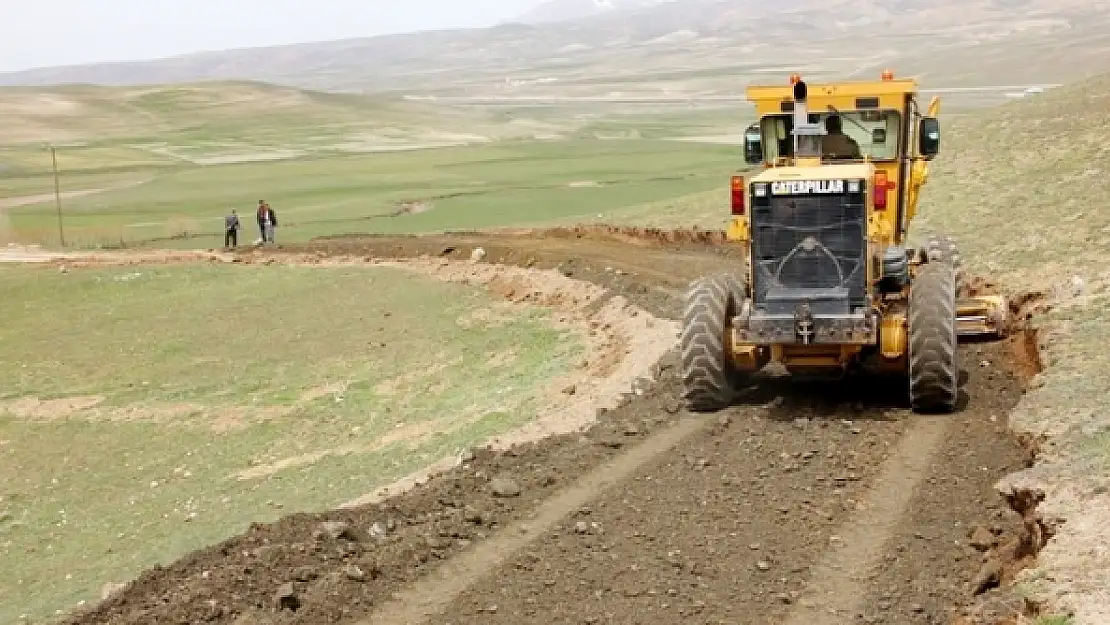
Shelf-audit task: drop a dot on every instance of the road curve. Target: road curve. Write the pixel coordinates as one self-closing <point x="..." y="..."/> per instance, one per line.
<point x="811" y="503"/>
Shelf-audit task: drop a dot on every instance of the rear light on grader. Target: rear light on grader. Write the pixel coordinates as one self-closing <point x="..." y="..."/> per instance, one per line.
<point x="738" y="195"/>
<point x="880" y="188"/>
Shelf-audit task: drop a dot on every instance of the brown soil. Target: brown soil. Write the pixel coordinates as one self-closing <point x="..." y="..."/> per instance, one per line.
<point x="803" y="503"/>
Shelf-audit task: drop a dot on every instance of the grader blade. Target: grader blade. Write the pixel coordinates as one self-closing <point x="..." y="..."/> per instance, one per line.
<point x="982" y="316"/>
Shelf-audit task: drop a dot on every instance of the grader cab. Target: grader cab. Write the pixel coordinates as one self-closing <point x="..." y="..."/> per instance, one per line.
<point x="830" y="284"/>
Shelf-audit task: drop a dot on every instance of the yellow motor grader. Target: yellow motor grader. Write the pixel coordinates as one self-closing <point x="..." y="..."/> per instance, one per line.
<point x="831" y="285"/>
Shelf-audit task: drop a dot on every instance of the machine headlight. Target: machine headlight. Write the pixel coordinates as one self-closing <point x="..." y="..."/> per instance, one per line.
<point x="854" y="186"/>
<point x="760" y="190"/>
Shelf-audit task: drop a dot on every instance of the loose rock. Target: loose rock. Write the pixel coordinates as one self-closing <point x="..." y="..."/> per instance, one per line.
<point x="378" y="531"/>
<point x="354" y="573"/>
<point x="110" y="589"/>
<point x="286" y="597"/>
<point x="337" y="529"/>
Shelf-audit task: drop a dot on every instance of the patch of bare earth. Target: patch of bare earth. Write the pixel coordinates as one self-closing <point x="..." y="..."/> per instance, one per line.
<point x="411" y="207"/>
<point x="35" y="409"/>
<point x="91" y="408"/>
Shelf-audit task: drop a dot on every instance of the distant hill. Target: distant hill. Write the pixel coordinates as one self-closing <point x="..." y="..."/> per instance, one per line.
<point x="209" y="111"/>
<point x="714" y="45"/>
<point x="565" y="10"/>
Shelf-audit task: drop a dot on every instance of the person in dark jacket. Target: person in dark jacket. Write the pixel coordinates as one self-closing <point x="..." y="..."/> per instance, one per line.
<point x="231" y="230"/>
<point x="261" y="216"/>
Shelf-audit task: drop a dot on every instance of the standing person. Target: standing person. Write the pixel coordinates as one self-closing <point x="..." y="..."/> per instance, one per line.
<point x="271" y="222"/>
<point x="231" y="230"/>
<point x="261" y="216"/>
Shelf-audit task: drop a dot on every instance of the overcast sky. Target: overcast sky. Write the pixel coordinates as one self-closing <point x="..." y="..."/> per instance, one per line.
<point x="37" y="33"/>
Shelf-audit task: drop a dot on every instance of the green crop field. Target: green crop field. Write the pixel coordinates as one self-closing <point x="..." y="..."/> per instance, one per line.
<point x="420" y="190"/>
<point x="173" y="162"/>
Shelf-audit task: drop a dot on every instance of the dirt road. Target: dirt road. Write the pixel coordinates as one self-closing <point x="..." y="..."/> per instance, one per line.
<point x="801" y="504"/>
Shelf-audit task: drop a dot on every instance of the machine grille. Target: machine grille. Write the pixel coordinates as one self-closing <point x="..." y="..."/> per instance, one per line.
<point x="810" y="242"/>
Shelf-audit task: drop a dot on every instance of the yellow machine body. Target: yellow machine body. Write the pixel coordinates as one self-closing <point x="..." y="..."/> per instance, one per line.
<point x="884" y="117"/>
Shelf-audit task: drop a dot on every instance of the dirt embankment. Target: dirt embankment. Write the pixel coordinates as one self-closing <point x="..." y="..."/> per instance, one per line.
<point x="807" y="503"/>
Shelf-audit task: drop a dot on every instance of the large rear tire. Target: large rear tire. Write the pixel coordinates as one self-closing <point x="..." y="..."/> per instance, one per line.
<point x="708" y="375"/>
<point x="933" y="359"/>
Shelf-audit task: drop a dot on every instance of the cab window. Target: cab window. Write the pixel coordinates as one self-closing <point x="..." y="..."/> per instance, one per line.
<point x="877" y="132"/>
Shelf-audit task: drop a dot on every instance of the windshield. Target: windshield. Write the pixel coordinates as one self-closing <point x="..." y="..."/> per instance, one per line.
<point x="875" y="132"/>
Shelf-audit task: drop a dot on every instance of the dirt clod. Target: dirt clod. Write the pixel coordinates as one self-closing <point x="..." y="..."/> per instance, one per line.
<point x="504" y="487"/>
<point x="286" y="598"/>
<point x="981" y="538"/>
<point x="337" y="529"/>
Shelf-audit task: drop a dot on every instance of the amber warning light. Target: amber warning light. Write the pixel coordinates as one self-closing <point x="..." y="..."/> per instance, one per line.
<point x="738" y="195"/>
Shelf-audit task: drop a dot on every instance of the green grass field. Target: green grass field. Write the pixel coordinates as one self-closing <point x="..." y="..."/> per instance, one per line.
<point x="451" y="188"/>
<point x="155" y="164"/>
<point x="152" y="410"/>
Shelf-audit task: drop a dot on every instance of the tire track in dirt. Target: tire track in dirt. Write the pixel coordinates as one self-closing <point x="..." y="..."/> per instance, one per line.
<point x="431" y="594"/>
<point x="835" y="593"/>
<point x="731" y="525"/>
<point x="727" y="529"/>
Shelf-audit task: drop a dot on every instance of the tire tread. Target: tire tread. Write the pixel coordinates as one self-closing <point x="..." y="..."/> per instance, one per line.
<point x="708" y="375"/>
<point x="933" y="344"/>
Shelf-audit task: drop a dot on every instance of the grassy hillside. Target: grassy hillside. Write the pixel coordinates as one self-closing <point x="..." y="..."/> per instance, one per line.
<point x="1028" y="177"/>
<point x="115" y="137"/>
<point x="212" y="111"/>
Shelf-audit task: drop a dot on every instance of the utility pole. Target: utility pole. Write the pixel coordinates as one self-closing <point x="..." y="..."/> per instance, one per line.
<point x="57" y="195"/>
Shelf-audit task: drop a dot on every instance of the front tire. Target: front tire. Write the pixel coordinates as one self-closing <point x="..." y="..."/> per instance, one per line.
<point x="933" y="359"/>
<point x="708" y="375"/>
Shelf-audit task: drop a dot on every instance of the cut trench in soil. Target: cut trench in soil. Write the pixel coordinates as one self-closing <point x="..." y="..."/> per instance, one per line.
<point x="1006" y="554"/>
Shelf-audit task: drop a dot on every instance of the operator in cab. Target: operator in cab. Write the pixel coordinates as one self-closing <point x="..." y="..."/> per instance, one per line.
<point x="836" y="144"/>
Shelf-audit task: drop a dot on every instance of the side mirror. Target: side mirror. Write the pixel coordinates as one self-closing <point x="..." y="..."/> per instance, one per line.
<point x="928" y="137"/>
<point x="753" y="145"/>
